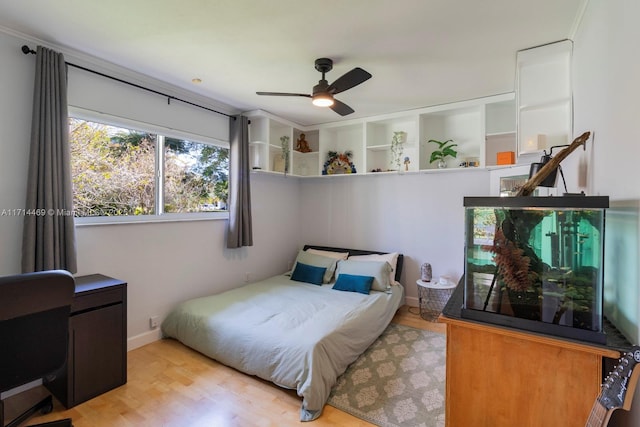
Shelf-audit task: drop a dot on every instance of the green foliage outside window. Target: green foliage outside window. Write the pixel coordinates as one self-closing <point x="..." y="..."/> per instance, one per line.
<point x="114" y="170"/>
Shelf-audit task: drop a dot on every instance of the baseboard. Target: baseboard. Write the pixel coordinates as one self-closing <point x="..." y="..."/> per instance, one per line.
<point x="411" y="301"/>
<point x="143" y="339"/>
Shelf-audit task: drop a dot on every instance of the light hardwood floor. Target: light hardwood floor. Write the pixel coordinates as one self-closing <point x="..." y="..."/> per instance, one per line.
<point x="172" y="385"/>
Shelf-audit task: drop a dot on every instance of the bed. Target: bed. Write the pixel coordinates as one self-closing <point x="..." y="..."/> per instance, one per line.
<point x="299" y="335"/>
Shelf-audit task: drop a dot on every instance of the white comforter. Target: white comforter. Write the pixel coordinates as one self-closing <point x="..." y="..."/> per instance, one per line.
<point x="297" y="335"/>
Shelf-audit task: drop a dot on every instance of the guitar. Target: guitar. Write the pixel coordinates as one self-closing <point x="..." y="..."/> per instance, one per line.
<point x="617" y="390"/>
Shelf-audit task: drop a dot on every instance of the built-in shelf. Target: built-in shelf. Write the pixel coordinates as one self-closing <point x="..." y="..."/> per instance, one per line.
<point x="383" y="147"/>
<point x="532" y="152"/>
<point x="552" y="103"/>
<point x="369" y="140"/>
<point x="494" y="134"/>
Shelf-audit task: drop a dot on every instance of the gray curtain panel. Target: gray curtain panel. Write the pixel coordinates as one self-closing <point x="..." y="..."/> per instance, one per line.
<point x="48" y="240"/>
<point x="240" y="229"/>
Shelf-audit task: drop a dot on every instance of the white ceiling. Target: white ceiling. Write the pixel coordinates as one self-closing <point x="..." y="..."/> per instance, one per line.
<point x="420" y="52"/>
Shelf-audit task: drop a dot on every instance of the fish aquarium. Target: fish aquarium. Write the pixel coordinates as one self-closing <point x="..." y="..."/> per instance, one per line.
<point x="536" y="263"/>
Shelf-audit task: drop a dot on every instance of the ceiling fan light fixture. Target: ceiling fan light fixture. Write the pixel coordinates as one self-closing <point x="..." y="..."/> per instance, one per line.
<point x="322" y="100"/>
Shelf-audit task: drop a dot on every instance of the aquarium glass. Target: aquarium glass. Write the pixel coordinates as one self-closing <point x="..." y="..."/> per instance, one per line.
<point x="531" y="262"/>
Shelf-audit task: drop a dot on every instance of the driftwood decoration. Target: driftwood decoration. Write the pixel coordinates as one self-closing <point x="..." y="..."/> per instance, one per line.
<point x="529" y="187"/>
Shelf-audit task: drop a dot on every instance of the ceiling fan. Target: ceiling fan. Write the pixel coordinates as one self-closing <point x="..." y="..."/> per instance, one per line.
<point x="322" y="95"/>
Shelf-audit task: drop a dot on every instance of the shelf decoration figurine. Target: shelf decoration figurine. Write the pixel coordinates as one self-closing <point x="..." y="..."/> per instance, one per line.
<point x="302" y="145"/>
<point x="407" y="160"/>
<point x="397" y="142"/>
<point x="338" y="163"/>
<point x="444" y="149"/>
<point x="284" y="144"/>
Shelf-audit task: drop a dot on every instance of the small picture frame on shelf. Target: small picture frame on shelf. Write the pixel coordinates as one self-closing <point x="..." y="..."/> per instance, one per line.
<point x="278" y="164"/>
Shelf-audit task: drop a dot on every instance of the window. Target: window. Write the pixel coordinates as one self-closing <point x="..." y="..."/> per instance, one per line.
<point x="196" y="176"/>
<point x="119" y="171"/>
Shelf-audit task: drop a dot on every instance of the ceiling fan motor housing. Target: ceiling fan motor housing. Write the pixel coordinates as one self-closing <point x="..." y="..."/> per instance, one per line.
<point x="324" y="65"/>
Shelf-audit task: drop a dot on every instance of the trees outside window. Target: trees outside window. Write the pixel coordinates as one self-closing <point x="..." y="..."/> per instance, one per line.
<point x="123" y="172"/>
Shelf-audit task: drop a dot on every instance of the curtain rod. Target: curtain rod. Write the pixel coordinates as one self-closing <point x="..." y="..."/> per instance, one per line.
<point x="27" y="50"/>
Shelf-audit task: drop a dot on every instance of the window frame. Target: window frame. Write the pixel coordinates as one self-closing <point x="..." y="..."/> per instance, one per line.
<point x="161" y="132"/>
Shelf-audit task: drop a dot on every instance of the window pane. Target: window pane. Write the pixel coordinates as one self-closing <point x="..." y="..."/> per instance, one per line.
<point x="196" y="176"/>
<point x="113" y="170"/>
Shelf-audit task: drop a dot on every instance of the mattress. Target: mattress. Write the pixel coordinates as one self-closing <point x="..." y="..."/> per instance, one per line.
<point x="297" y="335"/>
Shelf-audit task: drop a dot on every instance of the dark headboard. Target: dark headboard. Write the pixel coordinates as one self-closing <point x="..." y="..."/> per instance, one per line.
<point x="360" y="252"/>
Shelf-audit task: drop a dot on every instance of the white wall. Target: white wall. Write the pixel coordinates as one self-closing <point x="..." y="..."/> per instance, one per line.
<point x="16" y="89"/>
<point x="606" y="101"/>
<point x="607" y="89"/>
<point x="418" y="214"/>
<point x="163" y="263"/>
<point x="122" y="102"/>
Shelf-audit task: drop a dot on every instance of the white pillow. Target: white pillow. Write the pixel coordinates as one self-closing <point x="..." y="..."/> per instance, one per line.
<point x="391" y="258"/>
<point x="379" y="270"/>
<point x="319" y="261"/>
<point x="330" y="254"/>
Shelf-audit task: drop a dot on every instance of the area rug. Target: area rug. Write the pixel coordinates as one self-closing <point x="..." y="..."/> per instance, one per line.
<point x="398" y="382"/>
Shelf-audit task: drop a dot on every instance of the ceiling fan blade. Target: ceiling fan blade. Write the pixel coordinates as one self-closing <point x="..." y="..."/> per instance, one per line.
<point x="349" y="80"/>
<point x="283" y="94"/>
<point x="341" y="108"/>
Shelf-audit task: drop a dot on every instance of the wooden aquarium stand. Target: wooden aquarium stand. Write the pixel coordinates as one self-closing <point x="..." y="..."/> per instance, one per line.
<point x="498" y="376"/>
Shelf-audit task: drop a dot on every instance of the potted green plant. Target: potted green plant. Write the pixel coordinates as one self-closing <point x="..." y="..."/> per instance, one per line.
<point x="445" y="148"/>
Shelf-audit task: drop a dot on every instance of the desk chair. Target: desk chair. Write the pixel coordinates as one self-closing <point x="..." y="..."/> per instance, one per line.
<point x="34" y="332"/>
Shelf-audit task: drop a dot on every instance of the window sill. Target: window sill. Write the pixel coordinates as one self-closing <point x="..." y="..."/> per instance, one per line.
<point x="146" y="219"/>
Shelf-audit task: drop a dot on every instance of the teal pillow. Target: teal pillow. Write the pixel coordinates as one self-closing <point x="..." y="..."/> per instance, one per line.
<point x="379" y="270"/>
<point x="308" y="273"/>
<point x="353" y="283"/>
<point x="319" y="261"/>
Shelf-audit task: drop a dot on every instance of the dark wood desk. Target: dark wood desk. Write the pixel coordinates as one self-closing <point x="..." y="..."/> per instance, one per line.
<point x="97" y="360"/>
